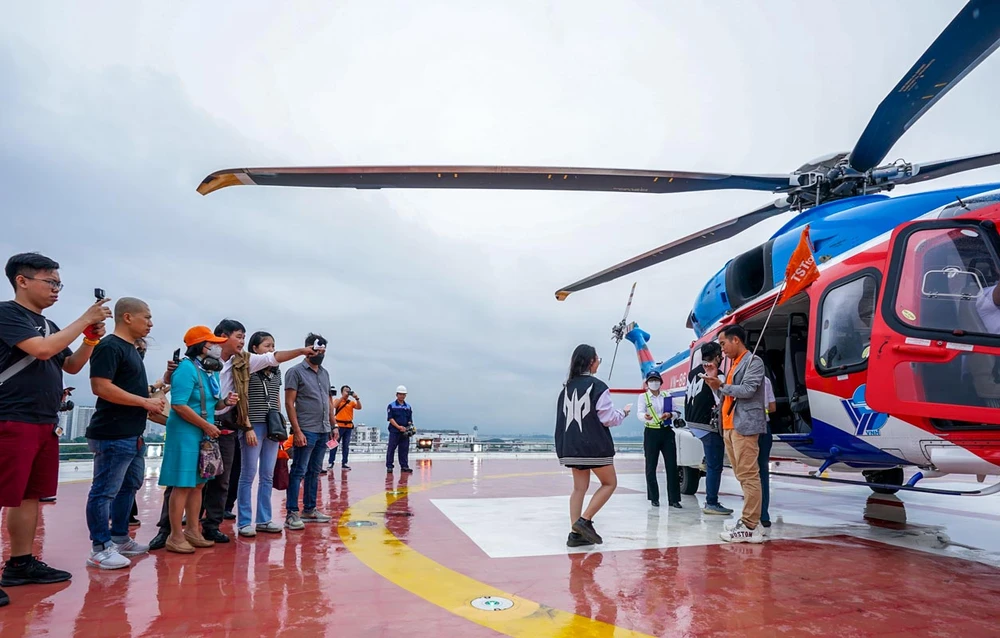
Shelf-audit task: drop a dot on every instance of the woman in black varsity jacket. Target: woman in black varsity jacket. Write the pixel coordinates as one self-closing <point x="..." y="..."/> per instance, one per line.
<point x="584" y="414"/>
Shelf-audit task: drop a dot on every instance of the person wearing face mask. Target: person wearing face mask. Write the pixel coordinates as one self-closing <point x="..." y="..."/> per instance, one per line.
<point x="701" y="415"/>
<point x="655" y="409"/>
<point x="194" y="396"/>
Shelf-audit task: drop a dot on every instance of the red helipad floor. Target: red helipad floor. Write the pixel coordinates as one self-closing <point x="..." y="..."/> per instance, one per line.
<point x="414" y="572"/>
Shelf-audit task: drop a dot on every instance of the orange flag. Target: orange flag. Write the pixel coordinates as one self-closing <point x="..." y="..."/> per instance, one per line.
<point x="801" y="270"/>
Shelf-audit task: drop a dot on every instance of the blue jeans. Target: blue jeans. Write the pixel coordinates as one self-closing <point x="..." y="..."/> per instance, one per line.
<point x="262" y="455"/>
<point x="764" y="442"/>
<point x="345" y="445"/>
<point x="715" y="451"/>
<point x="119" y="467"/>
<point x="307" y="462"/>
<point x="398" y="441"/>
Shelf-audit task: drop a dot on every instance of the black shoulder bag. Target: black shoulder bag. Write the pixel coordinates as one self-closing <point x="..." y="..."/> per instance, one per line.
<point x="276" y="430"/>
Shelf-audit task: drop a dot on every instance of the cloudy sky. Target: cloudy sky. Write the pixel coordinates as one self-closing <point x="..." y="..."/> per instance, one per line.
<point x="110" y="119"/>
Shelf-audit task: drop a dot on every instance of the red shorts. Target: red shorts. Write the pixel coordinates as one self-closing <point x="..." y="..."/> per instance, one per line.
<point x="29" y="462"/>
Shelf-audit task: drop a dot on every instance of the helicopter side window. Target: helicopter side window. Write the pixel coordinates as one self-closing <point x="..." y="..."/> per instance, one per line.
<point x="846" y="312"/>
<point x="948" y="281"/>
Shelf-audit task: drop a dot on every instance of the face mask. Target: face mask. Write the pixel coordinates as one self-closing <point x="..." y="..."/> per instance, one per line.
<point x="654" y="385"/>
<point x="317" y="360"/>
<point x="214" y="351"/>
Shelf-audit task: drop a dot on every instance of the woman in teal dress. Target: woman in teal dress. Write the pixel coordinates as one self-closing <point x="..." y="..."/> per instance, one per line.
<point x="191" y="419"/>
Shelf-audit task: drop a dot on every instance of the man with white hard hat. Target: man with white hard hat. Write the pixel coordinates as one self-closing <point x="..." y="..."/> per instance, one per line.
<point x="400" y="417"/>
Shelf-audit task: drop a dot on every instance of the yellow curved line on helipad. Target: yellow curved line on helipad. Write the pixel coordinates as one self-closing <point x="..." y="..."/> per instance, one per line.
<point x="394" y="560"/>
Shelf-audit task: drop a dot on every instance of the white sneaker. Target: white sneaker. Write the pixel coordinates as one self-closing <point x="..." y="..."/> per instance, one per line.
<point x="731" y="524"/>
<point x="248" y="530"/>
<point x="292" y="521"/>
<point x="766" y="531"/>
<point x="131" y="548"/>
<point x="742" y="534"/>
<point x="108" y="558"/>
<point x="270" y="527"/>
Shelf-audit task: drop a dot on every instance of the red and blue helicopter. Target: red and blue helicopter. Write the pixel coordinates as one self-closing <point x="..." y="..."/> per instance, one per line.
<point x="890" y="359"/>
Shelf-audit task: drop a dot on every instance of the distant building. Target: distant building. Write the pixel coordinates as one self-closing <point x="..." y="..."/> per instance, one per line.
<point x="66" y="423"/>
<point x="366" y="434"/>
<point x="81" y="419"/>
<point x="155" y="429"/>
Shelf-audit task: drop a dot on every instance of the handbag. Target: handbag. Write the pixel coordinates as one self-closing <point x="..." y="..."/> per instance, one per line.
<point x="281" y="478"/>
<point x="276" y="430"/>
<point x="209" y="453"/>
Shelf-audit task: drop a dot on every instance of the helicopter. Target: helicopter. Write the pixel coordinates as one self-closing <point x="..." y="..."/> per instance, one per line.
<point x="890" y="358"/>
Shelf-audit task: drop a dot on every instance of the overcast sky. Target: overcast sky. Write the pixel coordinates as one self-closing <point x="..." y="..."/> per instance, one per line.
<point x="111" y="118"/>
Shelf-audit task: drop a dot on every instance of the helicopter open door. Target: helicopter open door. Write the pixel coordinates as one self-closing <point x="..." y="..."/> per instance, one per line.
<point x="935" y="347"/>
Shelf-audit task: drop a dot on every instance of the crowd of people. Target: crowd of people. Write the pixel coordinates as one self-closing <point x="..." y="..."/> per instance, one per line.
<point x="224" y="404"/>
<point x="728" y="412"/>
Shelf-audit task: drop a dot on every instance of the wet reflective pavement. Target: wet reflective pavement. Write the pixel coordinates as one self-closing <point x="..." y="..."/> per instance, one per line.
<point x="409" y="554"/>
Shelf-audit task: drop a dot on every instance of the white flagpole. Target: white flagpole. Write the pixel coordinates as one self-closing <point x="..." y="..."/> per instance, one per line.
<point x="768" y="320"/>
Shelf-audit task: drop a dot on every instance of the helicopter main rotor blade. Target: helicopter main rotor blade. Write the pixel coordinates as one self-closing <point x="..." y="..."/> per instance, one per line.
<point x="941" y="168"/>
<point x="491" y="177"/>
<point x="970" y="38"/>
<point x="702" y="238"/>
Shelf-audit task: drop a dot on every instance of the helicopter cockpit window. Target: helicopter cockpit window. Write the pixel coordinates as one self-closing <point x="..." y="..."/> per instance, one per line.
<point x="846" y="325"/>
<point x="947" y="282"/>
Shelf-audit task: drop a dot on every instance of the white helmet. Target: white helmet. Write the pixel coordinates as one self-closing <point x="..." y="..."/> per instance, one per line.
<point x="401" y="389"/>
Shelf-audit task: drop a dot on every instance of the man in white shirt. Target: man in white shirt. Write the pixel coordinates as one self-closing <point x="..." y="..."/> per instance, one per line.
<point x="988" y="307"/>
<point x="655" y="409"/>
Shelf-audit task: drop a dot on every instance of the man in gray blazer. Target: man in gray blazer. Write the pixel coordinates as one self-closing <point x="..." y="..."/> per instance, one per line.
<point x="743" y="418"/>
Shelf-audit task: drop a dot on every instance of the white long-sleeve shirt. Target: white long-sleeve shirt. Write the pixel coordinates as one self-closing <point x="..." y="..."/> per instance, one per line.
<point x="606" y="411"/>
<point x="258" y="362"/>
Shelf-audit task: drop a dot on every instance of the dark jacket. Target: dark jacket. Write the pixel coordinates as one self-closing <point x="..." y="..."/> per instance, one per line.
<point x="581" y="438"/>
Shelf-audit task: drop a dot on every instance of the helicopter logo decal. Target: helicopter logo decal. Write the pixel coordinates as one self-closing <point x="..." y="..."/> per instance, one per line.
<point x="866" y="421"/>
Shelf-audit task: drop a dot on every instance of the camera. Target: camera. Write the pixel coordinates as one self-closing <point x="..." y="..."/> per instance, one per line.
<point x="99" y="293"/>
<point x="67" y="404"/>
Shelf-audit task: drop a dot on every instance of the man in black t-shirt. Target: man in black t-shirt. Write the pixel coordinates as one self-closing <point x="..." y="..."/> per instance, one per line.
<point x="698" y="412"/>
<point x="34" y="353"/>
<point x="118" y="379"/>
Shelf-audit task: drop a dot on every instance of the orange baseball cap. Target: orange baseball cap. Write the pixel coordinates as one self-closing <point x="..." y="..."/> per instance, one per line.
<point x="201" y="334"/>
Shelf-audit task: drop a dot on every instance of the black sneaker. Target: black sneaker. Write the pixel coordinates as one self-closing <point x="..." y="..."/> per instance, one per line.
<point x="134" y="522"/>
<point x="159" y="541"/>
<point x="214" y="535"/>
<point x="656" y="503"/>
<point x="35" y="572"/>
<point x="228" y="516"/>
<point x="676" y="504"/>
<point x="47" y="499"/>
<point x="407" y="470"/>
<point x="4" y="598"/>
<point x="585" y="528"/>
<point x="345" y="467"/>
<point x="576" y="540"/>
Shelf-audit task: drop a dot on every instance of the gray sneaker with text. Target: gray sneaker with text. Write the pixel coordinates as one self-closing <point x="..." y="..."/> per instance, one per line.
<point x="312" y="516"/>
<point x="292" y="521"/>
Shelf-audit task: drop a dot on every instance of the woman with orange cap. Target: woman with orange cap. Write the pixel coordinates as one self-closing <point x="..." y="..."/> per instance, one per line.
<point x="194" y="397"/>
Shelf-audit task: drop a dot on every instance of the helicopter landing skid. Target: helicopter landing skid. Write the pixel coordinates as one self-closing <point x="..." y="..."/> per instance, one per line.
<point x="909" y="487"/>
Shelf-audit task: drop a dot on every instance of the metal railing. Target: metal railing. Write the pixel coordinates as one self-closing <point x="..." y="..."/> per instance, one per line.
<point x="81" y="452"/>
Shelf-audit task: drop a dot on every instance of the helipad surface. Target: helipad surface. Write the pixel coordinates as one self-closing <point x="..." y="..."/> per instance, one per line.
<point x="409" y="556"/>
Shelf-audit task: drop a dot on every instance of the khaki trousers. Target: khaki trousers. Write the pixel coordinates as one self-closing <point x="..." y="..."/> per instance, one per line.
<point x="742" y="452"/>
